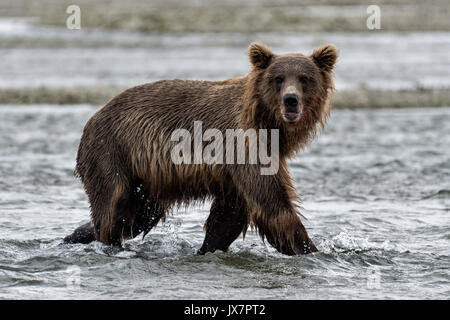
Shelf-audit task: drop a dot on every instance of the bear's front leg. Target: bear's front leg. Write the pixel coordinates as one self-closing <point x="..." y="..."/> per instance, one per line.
<point x="285" y="232"/>
<point x="227" y="219"/>
<point x="275" y="213"/>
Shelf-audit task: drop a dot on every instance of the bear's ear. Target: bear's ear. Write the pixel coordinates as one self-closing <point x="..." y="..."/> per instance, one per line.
<point x="325" y="57"/>
<point x="259" y="55"/>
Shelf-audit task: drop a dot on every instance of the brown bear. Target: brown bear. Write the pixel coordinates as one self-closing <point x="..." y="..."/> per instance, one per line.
<point x="124" y="157"/>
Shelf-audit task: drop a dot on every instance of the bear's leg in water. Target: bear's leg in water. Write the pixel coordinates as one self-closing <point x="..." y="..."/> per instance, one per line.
<point x="277" y="219"/>
<point x="286" y="233"/>
<point x="134" y="213"/>
<point x="83" y="234"/>
<point x="227" y="219"/>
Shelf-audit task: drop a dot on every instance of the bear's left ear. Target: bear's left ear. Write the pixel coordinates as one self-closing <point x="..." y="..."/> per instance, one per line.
<point x="259" y="55"/>
<point x="325" y="57"/>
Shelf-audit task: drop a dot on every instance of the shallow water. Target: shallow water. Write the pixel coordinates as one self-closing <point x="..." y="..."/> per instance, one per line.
<point x="375" y="188"/>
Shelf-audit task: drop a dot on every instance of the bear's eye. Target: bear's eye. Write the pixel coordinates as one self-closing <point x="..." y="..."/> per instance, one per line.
<point x="303" y="79"/>
<point x="279" y="80"/>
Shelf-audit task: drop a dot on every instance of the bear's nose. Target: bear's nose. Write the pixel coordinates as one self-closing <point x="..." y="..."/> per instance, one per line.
<point x="290" y="101"/>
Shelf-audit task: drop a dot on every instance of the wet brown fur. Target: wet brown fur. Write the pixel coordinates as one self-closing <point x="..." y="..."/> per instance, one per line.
<point x="124" y="158"/>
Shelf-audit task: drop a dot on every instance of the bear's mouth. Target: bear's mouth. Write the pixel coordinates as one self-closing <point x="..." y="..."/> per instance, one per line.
<point x="291" y="117"/>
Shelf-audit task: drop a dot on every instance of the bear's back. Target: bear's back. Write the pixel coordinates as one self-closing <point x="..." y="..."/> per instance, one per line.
<point x="135" y="127"/>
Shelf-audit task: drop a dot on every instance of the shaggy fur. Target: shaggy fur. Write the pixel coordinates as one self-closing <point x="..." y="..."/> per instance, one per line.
<point x="124" y="158"/>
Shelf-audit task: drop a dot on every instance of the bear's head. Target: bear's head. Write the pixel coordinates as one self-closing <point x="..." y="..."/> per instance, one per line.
<point x="294" y="88"/>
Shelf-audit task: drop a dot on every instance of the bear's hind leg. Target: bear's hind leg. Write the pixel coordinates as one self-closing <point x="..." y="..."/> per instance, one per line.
<point x="83" y="234"/>
<point x="227" y="219"/>
<point x="135" y="213"/>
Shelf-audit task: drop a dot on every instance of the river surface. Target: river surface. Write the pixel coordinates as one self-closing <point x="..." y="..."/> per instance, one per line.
<point x="35" y="56"/>
<point x="375" y="189"/>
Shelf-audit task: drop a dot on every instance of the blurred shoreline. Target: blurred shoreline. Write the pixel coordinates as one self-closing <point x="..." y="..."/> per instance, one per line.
<point x="249" y="16"/>
<point x="359" y="98"/>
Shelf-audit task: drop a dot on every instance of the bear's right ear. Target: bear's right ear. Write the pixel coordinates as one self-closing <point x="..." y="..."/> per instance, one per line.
<point x="259" y="55"/>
